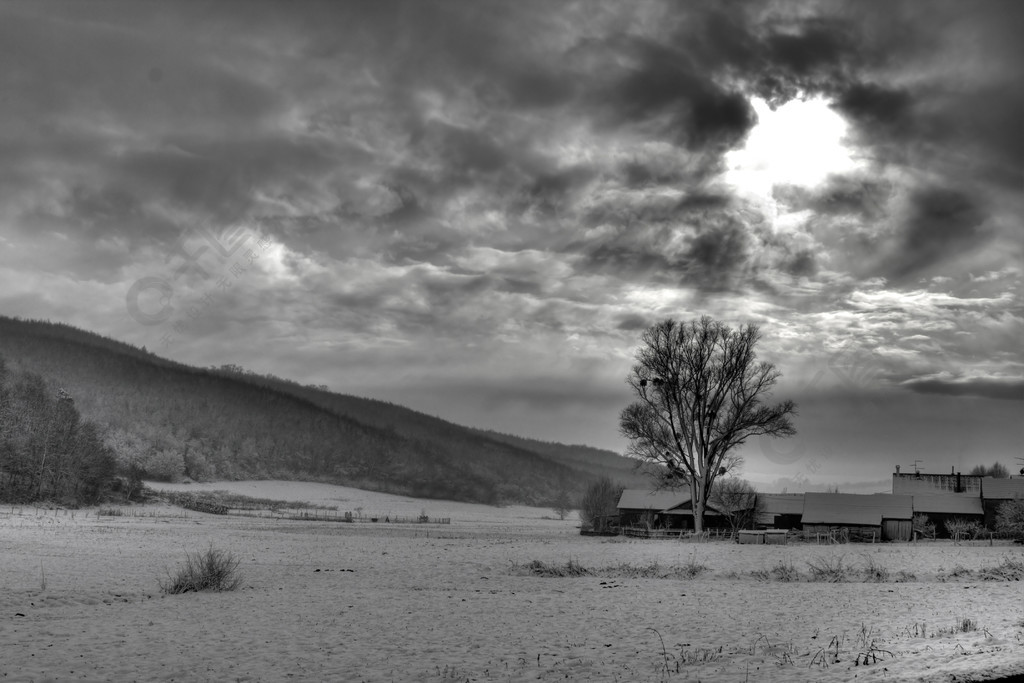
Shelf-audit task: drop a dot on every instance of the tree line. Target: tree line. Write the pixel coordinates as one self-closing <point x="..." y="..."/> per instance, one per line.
<point x="167" y="421"/>
<point x="47" y="451"/>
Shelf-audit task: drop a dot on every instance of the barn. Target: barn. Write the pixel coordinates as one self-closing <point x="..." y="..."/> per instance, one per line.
<point x="995" y="492"/>
<point x="942" y="507"/>
<point x="847" y="516"/>
<point x="780" y="510"/>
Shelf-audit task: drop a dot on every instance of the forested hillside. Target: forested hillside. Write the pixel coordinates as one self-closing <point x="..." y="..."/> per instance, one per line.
<point x="169" y="420"/>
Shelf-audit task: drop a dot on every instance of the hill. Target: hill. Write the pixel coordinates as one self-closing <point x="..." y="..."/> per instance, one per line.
<point x="167" y="420"/>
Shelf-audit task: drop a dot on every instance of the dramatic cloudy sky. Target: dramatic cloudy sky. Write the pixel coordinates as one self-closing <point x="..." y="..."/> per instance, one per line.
<point x="474" y="208"/>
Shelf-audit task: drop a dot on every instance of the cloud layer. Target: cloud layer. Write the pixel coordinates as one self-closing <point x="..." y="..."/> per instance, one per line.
<point x="474" y="208"/>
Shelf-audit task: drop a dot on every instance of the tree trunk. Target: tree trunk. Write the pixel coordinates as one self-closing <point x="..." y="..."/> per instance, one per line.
<point x="698" y="503"/>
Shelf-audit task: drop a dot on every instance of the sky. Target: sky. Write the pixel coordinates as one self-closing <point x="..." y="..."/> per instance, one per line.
<point x="475" y="208"/>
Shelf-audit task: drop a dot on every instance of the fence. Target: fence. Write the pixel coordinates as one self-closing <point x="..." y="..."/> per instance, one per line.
<point x="682" y="534"/>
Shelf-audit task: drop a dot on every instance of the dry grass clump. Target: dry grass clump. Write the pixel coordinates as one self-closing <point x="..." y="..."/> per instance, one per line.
<point x="1009" y="569"/>
<point x="780" y="572"/>
<point x="874" y="572"/>
<point x="212" y="570"/>
<point x="541" y="568"/>
<point x="573" y="568"/>
<point x="829" y="569"/>
<point x="962" y="625"/>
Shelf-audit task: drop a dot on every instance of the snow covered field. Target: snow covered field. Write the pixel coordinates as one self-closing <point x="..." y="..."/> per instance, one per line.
<point x="80" y="600"/>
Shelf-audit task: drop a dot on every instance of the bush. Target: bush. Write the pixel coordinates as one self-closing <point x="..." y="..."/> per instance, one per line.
<point x="213" y="570"/>
<point x="960" y="529"/>
<point x="1010" y="518"/>
<point x="923" y="526"/>
<point x="599" y="505"/>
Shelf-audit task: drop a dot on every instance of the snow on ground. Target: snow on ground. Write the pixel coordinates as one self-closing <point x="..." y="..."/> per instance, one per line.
<point x="329" y="601"/>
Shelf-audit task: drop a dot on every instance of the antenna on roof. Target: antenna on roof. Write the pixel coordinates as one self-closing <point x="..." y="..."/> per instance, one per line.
<point x="917" y="471"/>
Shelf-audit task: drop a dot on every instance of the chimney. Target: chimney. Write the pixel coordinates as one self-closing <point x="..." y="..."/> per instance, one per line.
<point x="897" y="469"/>
<point x="952" y="469"/>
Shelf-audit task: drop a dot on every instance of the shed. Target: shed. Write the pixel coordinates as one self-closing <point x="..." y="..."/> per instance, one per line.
<point x="995" y="492"/>
<point x="884" y="516"/>
<point x="942" y="507"/>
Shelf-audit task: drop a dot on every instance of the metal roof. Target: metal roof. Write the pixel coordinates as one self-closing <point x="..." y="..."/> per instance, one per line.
<point x="854" y="509"/>
<point x="658" y="501"/>
<point x="781" y="503"/>
<point x="1002" y="489"/>
<point x="941" y="503"/>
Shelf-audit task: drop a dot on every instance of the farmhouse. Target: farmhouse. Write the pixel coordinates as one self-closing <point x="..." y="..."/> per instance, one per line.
<point x="942" y="507"/>
<point x="879" y="516"/>
<point x="669" y="509"/>
<point x="995" y="492"/>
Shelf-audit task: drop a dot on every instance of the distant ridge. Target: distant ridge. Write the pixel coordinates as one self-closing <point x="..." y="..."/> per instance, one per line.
<point x="173" y="420"/>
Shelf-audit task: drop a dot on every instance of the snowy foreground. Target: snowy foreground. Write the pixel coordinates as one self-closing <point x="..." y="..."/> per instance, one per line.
<point x="325" y="601"/>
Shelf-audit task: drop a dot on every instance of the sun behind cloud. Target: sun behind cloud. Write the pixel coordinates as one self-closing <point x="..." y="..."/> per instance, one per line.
<point x="801" y="142"/>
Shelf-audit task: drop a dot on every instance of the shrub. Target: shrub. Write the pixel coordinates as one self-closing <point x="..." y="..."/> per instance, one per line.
<point x="1010" y="518"/>
<point x="960" y="529"/>
<point x="213" y="570"/>
<point x="923" y="526"/>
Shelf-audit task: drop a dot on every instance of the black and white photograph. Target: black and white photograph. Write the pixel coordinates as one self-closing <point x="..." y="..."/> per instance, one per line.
<point x="511" y="340"/>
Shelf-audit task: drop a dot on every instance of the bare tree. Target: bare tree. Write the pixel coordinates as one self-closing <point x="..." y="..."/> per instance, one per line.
<point x="737" y="500"/>
<point x="997" y="470"/>
<point x="563" y="504"/>
<point x="700" y="394"/>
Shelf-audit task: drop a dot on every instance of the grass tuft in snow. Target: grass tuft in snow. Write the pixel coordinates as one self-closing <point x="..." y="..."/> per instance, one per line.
<point x="829" y="569"/>
<point x="212" y="570"/>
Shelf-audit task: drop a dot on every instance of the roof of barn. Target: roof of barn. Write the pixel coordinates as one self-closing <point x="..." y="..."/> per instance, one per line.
<point x="1002" y="489"/>
<point x="941" y="503"/>
<point x="658" y="501"/>
<point x="855" y="510"/>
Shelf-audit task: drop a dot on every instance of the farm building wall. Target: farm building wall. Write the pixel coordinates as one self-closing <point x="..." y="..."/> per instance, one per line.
<point x="897" y="529"/>
<point x="788" y="521"/>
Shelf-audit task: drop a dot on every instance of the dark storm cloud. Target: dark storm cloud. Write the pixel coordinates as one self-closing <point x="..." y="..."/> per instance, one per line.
<point x="941" y="223"/>
<point x="662" y="90"/>
<point x="1006" y="389"/>
<point x="859" y="196"/>
<point x="633" y="323"/>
